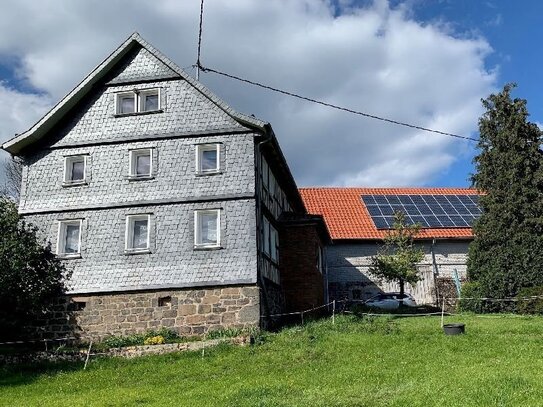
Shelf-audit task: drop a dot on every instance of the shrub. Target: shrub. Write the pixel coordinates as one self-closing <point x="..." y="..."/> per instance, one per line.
<point x="154" y="340"/>
<point x="160" y="336"/>
<point x="121" y="341"/>
<point x="31" y="276"/>
<point x="527" y="305"/>
<point x="471" y="290"/>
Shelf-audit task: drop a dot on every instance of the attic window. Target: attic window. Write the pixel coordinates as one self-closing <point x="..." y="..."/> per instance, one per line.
<point x="137" y="101"/>
<point x="126" y="103"/>
<point x="149" y="100"/>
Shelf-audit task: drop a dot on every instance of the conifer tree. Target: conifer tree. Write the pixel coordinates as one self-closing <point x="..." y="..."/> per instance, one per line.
<point x="507" y="252"/>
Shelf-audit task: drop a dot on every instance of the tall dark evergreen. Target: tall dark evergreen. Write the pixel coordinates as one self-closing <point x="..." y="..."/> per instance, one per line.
<point x="507" y="252"/>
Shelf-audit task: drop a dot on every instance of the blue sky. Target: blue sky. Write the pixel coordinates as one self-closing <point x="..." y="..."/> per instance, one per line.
<point x="427" y="62"/>
<point x="513" y="30"/>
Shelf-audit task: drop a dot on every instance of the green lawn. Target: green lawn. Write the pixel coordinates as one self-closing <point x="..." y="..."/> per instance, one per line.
<point x="404" y="362"/>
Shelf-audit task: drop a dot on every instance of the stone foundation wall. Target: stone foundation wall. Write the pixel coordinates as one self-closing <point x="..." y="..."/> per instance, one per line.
<point x="188" y="311"/>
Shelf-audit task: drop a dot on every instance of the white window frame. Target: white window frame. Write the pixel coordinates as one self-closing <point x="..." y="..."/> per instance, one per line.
<point x="129" y="233"/>
<point x="198" y="230"/>
<point x="61" y="238"/>
<point x="200" y="149"/>
<point x="68" y="160"/>
<point x="133" y="156"/>
<point x="138" y="100"/>
<point x="118" y="105"/>
<point x="141" y="99"/>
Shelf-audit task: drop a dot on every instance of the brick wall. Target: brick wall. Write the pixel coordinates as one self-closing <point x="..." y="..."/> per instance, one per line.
<point x="187" y="311"/>
<point x="302" y="282"/>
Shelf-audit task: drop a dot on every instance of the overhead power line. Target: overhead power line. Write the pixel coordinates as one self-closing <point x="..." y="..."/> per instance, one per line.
<point x="199" y="67"/>
<point x="330" y="105"/>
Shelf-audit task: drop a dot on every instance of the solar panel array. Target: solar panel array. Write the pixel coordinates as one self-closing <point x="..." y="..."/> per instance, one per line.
<point x="430" y="211"/>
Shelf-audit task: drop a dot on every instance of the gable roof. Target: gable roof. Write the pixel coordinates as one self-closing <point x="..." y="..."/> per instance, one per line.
<point x="347" y="217"/>
<point x="38" y="130"/>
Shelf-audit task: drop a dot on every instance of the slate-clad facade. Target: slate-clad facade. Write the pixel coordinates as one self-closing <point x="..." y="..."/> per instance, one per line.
<point x="179" y="279"/>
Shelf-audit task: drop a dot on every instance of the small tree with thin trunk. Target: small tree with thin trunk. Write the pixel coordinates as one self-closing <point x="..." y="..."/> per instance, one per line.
<point x="397" y="260"/>
<point x="13" y="170"/>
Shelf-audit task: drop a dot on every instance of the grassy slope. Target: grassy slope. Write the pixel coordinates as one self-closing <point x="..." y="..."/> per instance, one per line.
<point x="408" y="363"/>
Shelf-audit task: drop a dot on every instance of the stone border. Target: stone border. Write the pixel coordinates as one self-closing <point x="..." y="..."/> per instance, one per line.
<point x="128" y="352"/>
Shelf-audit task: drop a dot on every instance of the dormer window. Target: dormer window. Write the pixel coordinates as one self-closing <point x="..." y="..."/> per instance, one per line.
<point x="138" y="101"/>
<point x="75" y="170"/>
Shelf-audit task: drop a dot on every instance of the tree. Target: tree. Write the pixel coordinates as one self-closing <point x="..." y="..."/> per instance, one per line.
<point x="397" y="260"/>
<point x="507" y="251"/>
<point x="13" y="170"/>
<point x="30" y="274"/>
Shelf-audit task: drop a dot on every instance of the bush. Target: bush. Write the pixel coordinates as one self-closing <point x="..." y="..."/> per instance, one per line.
<point x="163" y="335"/>
<point x="527" y="305"/>
<point x="154" y="340"/>
<point x="471" y="290"/>
<point x="31" y="276"/>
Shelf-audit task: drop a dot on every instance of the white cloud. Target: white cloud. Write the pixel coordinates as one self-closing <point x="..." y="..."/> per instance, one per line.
<point x="373" y="58"/>
<point x="18" y="111"/>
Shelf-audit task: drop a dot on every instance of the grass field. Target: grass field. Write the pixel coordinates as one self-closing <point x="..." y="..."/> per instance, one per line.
<point x="381" y="362"/>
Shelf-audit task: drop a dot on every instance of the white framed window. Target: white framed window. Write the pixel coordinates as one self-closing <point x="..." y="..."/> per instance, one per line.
<point x="208" y="158"/>
<point x="207" y="228"/>
<point x="141" y="163"/>
<point x="147" y="100"/>
<point x="75" y="169"/>
<point x="126" y="102"/>
<point x="137" y="234"/>
<point x="69" y="238"/>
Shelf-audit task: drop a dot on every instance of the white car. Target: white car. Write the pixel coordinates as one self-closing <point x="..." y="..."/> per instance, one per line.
<point x="390" y="301"/>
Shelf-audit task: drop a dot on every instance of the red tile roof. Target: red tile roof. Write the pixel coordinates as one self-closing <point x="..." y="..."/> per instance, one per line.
<point x="346" y="215"/>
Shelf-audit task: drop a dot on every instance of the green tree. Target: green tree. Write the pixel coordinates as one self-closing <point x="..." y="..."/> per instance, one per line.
<point x="397" y="260"/>
<point x="507" y="252"/>
<point x="30" y="274"/>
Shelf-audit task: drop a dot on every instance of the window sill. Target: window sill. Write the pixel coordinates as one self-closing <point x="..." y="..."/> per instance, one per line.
<point x="140" y="177"/>
<point x="206" y="173"/>
<point x="201" y="248"/>
<point x="66" y="256"/>
<point x="130" y="252"/>
<point x="138" y="113"/>
<point x="68" y="184"/>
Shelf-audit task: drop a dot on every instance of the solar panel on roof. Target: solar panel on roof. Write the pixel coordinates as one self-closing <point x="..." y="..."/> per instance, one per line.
<point x="430" y="211"/>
